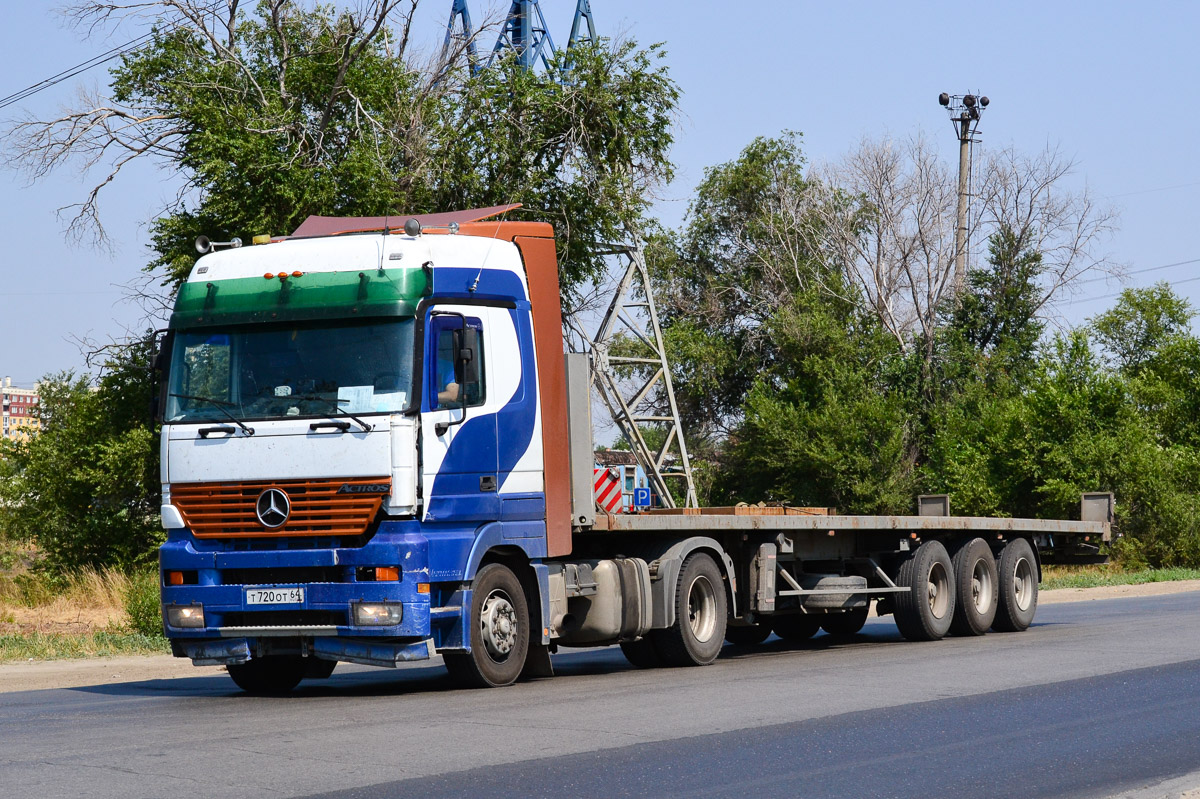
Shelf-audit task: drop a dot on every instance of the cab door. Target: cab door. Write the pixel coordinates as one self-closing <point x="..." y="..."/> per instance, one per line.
<point x="458" y="423"/>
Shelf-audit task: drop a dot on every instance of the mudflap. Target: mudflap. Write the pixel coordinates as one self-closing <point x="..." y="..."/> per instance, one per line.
<point x="537" y="662"/>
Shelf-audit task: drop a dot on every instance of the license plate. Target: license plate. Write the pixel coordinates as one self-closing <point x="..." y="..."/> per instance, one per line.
<point x="274" y="596"/>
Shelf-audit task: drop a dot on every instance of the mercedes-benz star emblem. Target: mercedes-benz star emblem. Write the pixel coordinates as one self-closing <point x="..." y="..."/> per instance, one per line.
<point x="273" y="507"/>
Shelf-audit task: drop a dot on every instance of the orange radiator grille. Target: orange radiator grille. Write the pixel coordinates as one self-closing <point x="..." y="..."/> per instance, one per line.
<point x="316" y="507"/>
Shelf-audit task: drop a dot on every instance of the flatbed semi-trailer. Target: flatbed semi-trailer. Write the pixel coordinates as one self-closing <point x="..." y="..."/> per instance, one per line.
<point x="375" y="449"/>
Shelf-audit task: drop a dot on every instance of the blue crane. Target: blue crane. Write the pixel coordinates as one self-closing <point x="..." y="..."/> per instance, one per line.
<point x="524" y="32"/>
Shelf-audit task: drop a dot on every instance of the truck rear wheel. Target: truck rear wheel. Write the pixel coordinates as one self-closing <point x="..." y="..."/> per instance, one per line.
<point x="273" y="675"/>
<point x="978" y="582"/>
<point x="499" y="631"/>
<point x="846" y="623"/>
<point x="696" y="637"/>
<point x="797" y="627"/>
<point x="751" y="635"/>
<point x="1018" y="588"/>
<point x="924" y="611"/>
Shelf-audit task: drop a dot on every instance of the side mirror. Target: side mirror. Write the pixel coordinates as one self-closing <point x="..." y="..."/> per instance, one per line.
<point x="466" y="355"/>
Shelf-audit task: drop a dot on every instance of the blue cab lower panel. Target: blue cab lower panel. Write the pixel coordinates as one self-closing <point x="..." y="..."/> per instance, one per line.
<point x="435" y="563"/>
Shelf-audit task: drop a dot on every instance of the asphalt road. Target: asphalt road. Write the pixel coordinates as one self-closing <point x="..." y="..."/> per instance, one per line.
<point x="1097" y="699"/>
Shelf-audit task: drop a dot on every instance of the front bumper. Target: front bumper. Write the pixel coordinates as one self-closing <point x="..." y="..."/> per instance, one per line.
<point x="329" y="577"/>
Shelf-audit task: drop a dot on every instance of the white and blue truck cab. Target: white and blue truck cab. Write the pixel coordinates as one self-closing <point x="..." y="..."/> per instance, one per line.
<point x="374" y="449"/>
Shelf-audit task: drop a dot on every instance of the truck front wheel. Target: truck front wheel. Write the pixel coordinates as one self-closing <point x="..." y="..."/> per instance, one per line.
<point x="273" y="675"/>
<point x="696" y="637"/>
<point x="924" y="611"/>
<point x="499" y="631"/>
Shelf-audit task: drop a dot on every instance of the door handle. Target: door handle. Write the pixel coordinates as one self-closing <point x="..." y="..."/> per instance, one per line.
<point x="487" y="482"/>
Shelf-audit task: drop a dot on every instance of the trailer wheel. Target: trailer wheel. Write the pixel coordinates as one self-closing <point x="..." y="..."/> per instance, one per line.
<point x="273" y="675"/>
<point x="978" y="585"/>
<point x="642" y="652"/>
<point x="752" y="635"/>
<point x="796" y="628"/>
<point x="696" y="637"/>
<point x="846" y="623"/>
<point x="500" y="631"/>
<point x="1018" y="588"/>
<point x="924" y="611"/>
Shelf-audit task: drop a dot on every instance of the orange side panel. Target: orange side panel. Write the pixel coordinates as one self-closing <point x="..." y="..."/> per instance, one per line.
<point x="541" y="269"/>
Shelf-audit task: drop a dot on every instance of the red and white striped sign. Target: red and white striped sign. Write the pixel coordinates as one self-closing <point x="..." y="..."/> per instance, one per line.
<point x="607" y="487"/>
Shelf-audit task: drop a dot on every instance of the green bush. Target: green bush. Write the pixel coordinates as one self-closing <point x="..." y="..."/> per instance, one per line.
<point x="143" y="604"/>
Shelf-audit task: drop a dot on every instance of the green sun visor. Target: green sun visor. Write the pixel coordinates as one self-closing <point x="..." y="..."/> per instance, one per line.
<point x="314" y="295"/>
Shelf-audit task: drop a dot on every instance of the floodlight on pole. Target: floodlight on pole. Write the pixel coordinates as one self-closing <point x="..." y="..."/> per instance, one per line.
<point x="965" y="111"/>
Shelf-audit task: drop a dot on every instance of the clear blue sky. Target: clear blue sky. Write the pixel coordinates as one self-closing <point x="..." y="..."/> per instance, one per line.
<point x="1112" y="83"/>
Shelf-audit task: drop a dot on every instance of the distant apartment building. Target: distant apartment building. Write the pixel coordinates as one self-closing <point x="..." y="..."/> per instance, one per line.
<point x="18" y="404"/>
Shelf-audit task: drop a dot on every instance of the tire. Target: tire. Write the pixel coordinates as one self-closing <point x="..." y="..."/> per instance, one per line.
<point x="273" y="675"/>
<point x="642" y="652"/>
<point x="833" y="600"/>
<point x="318" y="668"/>
<point x="499" y="631"/>
<point x="847" y="623"/>
<point x="1018" y="587"/>
<point x="925" y="610"/>
<point x="796" y="628"/>
<point x="978" y="588"/>
<point x="752" y="635"/>
<point x="701" y="611"/>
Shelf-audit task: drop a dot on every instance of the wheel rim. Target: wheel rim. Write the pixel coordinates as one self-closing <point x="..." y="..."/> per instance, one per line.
<point x="702" y="607"/>
<point x="938" y="583"/>
<point x="498" y="624"/>
<point x="1023" y="583"/>
<point x="983" y="590"/>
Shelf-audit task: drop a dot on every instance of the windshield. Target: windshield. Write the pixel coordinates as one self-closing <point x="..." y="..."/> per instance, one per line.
<point x="268" y="372"/>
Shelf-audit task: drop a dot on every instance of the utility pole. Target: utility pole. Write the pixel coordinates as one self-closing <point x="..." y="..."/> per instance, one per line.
<point x="965" y="111"/>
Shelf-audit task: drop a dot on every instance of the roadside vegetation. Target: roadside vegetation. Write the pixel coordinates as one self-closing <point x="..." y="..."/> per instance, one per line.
<point x="46" y="615"/>
<point x="1109" y="574"/>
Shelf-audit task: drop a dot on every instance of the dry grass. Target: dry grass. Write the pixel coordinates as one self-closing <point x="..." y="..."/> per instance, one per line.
<point x="87" y="602"/>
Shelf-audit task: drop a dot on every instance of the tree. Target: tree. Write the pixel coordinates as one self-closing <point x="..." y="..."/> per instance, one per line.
<point x="283" y="111"/>
<point x="886" y="215"/>
<point x="1141" y="325"/>
<point x="86" y="487"/>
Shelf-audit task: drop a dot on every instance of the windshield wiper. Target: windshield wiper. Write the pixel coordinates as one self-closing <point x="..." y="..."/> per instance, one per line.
<point x="334" y="404"/>
<point x="220" y="406"/>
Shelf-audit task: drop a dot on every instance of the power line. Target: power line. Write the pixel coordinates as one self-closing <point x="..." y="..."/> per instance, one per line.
<point x="1150" y="191"/>
<point x="1119" y="293"/>
<point x="94" y="61"/>
<point x="1139" y="271"/>
<point x="71" y="72"/>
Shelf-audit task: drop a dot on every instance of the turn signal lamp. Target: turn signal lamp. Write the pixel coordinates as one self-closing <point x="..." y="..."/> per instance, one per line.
<point x="387" y="574"/>
<point x="422" y="588"/>
<point x="174" y="578"/>
<point x="262" y="238"/>
<point x="377" y="614"/>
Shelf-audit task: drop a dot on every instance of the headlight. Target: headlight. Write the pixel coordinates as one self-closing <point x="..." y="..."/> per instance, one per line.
<point x="377" y="614"/>
<point x="186" y="616"/>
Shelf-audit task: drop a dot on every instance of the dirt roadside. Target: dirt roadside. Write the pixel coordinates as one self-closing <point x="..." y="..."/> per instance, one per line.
<point x="36" y="676"/>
